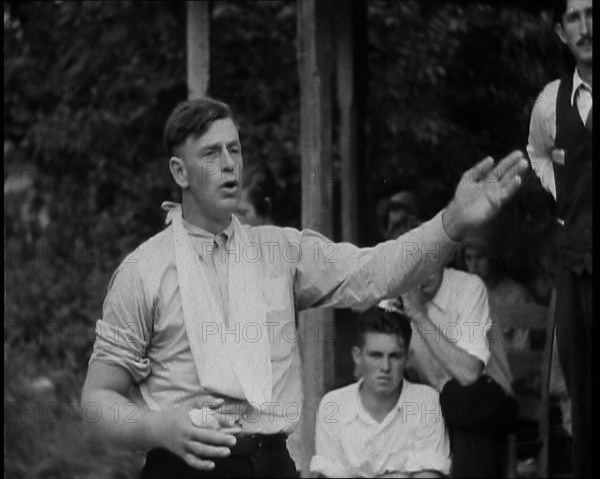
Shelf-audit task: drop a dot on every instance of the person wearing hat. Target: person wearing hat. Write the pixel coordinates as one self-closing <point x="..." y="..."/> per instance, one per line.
<point x="398" y="214"/>
<point x="383" y="425"/>
<point x="201" y="317"/>
<point x="560" y="150"/>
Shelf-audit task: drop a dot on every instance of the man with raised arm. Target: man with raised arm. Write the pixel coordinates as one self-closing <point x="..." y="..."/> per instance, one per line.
<point x="200" y="317"/>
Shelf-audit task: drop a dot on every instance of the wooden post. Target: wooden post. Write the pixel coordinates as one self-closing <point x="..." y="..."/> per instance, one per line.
<point x="198" y="48"/>
<point x="315" y="60"/>
<point x="349" y="89"/>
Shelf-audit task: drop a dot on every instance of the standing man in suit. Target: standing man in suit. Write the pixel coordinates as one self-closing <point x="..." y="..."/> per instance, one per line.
<point x="560" y="149"/>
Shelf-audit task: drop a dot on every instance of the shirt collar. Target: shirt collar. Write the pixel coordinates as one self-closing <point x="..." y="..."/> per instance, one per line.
<point x="577" y="83"/>
<point x="443" y="296"/>
<point x="354" y="405"/>
<point x="201" y="232"/>
<point x="207" y="237"/>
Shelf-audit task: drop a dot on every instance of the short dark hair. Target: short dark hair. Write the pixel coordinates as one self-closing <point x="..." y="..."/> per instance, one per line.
<point x="560" y="7"/>
<point x="192" y="118"/>
<point x="260" y="183"/>
<point x="378" y="320"/>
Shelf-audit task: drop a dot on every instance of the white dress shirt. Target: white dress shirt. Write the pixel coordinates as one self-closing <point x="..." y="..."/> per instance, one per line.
<point x="542" y="128"/>
<point x="142" y="327"/>
<point x="411" y="438"/>
<point x="461" y="312"/>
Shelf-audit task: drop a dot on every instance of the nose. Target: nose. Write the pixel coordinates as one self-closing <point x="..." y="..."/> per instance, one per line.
<point x="586" y="26"/>
<point x="385" y="365"/>
<point x="228" y="163"/>
<point x="585" y="23"/>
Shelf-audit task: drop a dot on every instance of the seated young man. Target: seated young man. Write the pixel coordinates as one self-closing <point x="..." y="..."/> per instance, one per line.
<point x="383" y="425"/>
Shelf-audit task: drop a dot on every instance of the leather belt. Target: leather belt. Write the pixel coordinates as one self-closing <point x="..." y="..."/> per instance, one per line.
<point x="255" y="444"/>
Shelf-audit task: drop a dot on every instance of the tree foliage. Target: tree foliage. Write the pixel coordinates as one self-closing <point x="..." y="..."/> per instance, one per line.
<point x="88" y="87"/>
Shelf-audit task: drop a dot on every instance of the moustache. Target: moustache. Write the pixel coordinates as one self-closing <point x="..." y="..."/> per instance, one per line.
<point x="586" y="40"/>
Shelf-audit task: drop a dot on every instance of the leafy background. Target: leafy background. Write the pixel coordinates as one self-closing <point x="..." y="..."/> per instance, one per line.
<point x="87" y="89"/>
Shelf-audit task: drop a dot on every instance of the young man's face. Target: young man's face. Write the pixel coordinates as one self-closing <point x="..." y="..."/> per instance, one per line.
<point x="575" y="30"/>
<point x="213" y="167"/>
<point x="381" y="362"/>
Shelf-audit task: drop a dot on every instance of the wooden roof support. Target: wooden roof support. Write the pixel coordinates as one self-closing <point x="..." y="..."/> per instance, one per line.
<point x="198" y="48"/>
<point x="315" y="61"/>
<point x="350" y="29"/>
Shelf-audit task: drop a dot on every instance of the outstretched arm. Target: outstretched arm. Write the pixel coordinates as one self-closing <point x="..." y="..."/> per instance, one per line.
<point x="341" y="275"/>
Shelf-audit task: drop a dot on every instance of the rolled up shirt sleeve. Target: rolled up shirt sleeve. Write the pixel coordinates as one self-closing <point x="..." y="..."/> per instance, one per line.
<point x="122" y="335"/>
<point x="342" y="275"/>
<point x="475" y="320"/>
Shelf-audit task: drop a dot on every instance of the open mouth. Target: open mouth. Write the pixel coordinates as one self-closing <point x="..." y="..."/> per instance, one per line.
<point x="230" y="185"/>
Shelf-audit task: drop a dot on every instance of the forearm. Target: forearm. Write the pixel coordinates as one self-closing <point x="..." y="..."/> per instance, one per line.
<point x="117" y="419"/>
<point x="354" y="277"/>
<point x="461" y="365"/>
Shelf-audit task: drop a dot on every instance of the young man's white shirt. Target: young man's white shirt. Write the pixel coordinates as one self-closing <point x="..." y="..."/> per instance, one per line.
<point x="411" y="438"/>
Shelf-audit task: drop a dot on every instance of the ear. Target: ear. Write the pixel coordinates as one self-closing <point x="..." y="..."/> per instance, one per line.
<point x="356" y="355"/>
<point x="357" y="362"/>
<point x="178" y="171"/>
<point x="558" y="28"/>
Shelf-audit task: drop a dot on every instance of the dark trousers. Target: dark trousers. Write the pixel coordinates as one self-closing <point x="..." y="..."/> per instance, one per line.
<point x="477" y="417"/>
<point x="574" y="341"/>
<point x="272" y="460"/>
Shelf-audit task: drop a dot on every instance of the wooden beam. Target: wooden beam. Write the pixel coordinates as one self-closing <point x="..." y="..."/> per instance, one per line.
<point x="348" y="120"/>
<point x="315" y="60"/>
<point x="350" y="26"/>
<point x="198" y="48"/>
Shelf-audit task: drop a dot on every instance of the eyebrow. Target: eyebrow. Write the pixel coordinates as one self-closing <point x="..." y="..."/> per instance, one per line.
<point x="574" y="11"/>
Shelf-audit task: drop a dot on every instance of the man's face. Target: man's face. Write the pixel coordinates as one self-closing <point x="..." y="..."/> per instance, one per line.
<point x="575" y="30"/>
<point x="381" y="362"/>
<point x="432" y="284"/>
<point x="213" y="168"/>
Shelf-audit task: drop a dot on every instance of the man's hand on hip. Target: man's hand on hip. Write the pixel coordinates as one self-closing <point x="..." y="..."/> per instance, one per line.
<point x="194" y="441"/>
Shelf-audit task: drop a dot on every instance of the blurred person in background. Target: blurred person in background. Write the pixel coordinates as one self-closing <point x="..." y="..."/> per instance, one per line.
<point x="455" y="351"/>
<point x="481" y="258"/>
<point x="397" y="214"/>
<point x="560" y="150"/>
<point x="259" y="194"/>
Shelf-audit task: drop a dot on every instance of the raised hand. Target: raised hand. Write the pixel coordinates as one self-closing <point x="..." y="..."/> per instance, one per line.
<point x="482" y="191"/>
